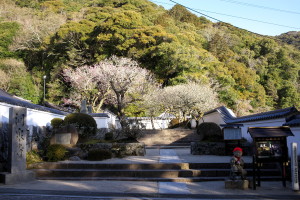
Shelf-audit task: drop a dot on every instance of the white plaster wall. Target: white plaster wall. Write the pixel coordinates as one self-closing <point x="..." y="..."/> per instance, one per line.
<point x="34" y="117"/>
<point x="212" y="117"/>
<point x="147" y="124"/>
<point x="102" y="122"/>
<point x="263" y="123"/>
<point x="295" y="138"/>
<point x="113" y="120"/>
<point x="273" y="123"/>
<point x="158" y="123"/>
<point x="40" y="118"/>
<point x="4" y="113"/>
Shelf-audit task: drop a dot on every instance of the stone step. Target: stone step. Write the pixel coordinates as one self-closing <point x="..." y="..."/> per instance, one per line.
<point x="153" y="166"/>
<point x="247" y="166"/>
<point x="157" y="179"/>
<point x="116" y="173"/>
<point x="93" y="165"/>
<point x="177" y="172"/>
<point x="167" y="173"/>
<point x="226" y="172"/>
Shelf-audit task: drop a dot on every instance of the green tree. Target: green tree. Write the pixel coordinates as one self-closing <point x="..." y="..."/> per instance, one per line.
<point x="288" y="96"/>
<point x="180" y="13"/>
<point x="8" y="31"/>
<point x="20" y="80"/>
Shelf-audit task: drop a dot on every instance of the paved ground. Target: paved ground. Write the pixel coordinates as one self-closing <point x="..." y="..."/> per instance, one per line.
<point x="53" y="190"/>
<point x="158" y="155"/>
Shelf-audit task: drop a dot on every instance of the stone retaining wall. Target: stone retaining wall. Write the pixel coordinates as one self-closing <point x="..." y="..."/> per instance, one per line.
<point x="218" y="148"/>
<point x="208" y="148"/>
<point x="118" y="149"/>
<point x="168" y="137"/>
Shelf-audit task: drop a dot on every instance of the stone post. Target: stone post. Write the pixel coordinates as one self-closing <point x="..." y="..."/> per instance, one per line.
<point x="83" y="107"/>
<point x="193" y="123"/>
<point x="294" y="166"/>
<point x="17" y="131"/>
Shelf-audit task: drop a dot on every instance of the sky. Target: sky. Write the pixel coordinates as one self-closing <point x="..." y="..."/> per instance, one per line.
<point x="265" y="17"/>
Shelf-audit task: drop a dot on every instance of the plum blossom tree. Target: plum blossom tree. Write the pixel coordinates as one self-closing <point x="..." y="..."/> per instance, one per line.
<point x="186" y="99"/>
<point x="152" y="104"/>
<point x="85" y="86"/>
<point x="117" y="80"/>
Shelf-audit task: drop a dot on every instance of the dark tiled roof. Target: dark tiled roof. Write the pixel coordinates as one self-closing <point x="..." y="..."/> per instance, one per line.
<point x="230" y="119"/>
<point x="224" y="112"/>
<point x="270" y="132"/>
<point x="17" y="102"/>
<point x="5" y="94"/>
<point x="99" y="115"/>
<point x="293" y="121"/>
<point x="265" y="115"/>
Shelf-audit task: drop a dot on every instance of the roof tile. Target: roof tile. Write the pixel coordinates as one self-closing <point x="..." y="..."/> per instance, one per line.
<point x="229" y="118"/>
<point x="17" y="102"/>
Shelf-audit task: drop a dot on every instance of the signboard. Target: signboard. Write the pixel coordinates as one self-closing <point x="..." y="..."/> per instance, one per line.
<point x="269" y="149"/>
<point x="232" y="133"/>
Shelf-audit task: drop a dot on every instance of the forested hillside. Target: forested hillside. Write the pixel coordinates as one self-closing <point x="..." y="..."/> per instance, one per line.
<point x="292" y="37"/>
<point x="250" y="72"/>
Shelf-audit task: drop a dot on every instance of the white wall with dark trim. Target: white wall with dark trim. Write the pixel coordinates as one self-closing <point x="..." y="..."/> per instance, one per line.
<point x="34" y="117"/>
<point x="217" y="118"/>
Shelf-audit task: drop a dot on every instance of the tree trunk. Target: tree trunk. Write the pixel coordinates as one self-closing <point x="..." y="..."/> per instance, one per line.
<point x="152" y="123"/>
<point x="120" y="107"/>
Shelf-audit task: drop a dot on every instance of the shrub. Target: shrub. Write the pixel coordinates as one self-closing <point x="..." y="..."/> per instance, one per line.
<point x="42" y="138"/>
<point x="109" y="136"/>
<point x="93" y="141"/>
<point x="99" y="154"/>
<point x="85" y="124"/>
<point x="174" y="123"/>
<point x="33" y="157"/>
<point x="131" y="132"/>
<point x="56" y="152"/>
<point x="209" y="131"/>
<point x="56" y="122"/>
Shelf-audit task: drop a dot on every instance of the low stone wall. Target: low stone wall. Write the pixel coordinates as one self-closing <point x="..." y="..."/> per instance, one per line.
<point x="208" y="148"/>
<point x="219" y="148"/>
<point x="118" y="149"/>
<point x="168" y="137"/>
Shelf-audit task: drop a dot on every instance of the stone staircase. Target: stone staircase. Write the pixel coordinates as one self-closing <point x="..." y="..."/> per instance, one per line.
<point x="169" y="137"/>
<point x="163" y="172"/>
<point x="171" y="169"/>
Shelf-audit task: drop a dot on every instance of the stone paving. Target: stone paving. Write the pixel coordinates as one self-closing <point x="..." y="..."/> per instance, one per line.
<point x="154" y="156"/>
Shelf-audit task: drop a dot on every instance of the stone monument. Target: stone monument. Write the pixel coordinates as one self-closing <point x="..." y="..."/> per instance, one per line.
<point x="67" y="136"/>
<point x="83" y="107"/>
<point x="16" y="163"/>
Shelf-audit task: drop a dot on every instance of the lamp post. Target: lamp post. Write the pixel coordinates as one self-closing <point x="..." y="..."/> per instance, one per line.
<point x="44" y="77"/>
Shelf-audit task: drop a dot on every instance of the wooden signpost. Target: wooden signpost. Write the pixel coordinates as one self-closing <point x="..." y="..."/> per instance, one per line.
<point x="270" y="146"/>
